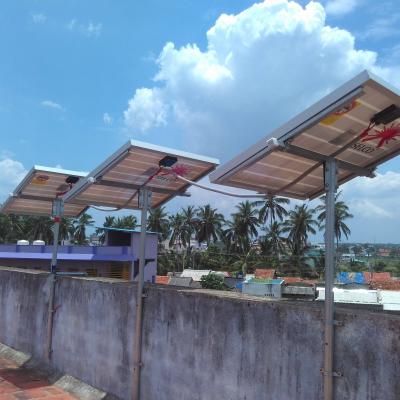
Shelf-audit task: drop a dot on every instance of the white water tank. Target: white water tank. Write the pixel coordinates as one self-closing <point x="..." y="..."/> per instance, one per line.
<point x="38" y="243"/>
<point x="23" y="242"/>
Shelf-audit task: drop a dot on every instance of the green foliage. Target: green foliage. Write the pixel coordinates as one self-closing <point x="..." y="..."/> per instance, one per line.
<point x="212" y="281"/>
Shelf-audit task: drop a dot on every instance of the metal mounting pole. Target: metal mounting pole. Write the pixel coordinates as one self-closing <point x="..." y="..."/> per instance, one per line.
<point x="57" y="212"/>
<point x="144" y="203"/>
<point x="330" y="188"/>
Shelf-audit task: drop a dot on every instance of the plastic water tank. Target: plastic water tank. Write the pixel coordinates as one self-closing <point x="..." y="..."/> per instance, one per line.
<point x="23" y="242"/>
<point x="38" y="243"/>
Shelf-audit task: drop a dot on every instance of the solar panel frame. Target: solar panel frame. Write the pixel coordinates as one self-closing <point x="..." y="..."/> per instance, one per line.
<point x="281" y="140"/>
<point x="100" y="177"/>
<point x="39" y="204"/>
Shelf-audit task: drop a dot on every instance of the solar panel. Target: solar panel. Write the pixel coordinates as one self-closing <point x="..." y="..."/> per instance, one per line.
<point x="115" y="183"/>
<point x="36" y="192"/>
<point x="351" y="125"/>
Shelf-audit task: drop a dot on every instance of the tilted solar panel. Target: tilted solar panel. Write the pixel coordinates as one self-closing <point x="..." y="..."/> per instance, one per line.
<point x="36" y="192"/>
<point x="357" y="125"/>
<point x="115" y="183"/>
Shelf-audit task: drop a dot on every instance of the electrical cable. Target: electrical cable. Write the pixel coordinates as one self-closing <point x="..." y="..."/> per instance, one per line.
<point x="171" y="171"/>
<point x="133" y="195"/>
<point x="257" y="195"/>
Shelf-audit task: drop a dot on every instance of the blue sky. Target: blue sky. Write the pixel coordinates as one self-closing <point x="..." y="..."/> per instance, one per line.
<point x="78" y="78"/>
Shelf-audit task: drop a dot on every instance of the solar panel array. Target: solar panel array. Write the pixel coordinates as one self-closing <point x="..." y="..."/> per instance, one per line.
<point x="289" y="162"/>
<point x="35" y="194"/>
<point x="116" y="182"/>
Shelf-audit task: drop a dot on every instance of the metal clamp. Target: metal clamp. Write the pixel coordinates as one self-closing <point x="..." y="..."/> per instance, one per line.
<point x="142" y="200"/>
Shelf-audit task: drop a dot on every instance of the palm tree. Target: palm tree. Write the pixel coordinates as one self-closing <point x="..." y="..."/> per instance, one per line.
<point x="178" y="230"/>
<point x="209" y="225"/>
<point x="158" y="222"/>
<point x="125" y="222"/>
<point x="232" y="235"/>
<point x="273" y="207"/>
<point x="299" y="225"/>
<point x="341" y="214"/>
<point x="277" y="243"/>
<point x="41" y="229"/>
<point x="246" y="218"/>
<point x="80" y="225"/>
<point x="66" y="228"/>
<point x="108" y="222"/>
<point x="190" y="220"/>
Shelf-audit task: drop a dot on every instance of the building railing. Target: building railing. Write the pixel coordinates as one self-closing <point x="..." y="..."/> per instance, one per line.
<point x="67" y="249"/>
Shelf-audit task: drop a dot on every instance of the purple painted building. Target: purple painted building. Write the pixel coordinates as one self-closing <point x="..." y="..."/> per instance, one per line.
<point x="117" y="259"/>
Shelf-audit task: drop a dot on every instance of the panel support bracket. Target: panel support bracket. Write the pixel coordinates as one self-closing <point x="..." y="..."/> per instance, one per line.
<point x="321" y="158"/>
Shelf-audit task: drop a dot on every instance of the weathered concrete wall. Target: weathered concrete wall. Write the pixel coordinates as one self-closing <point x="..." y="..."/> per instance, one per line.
<point x="93" y="332"/>
<point x="200" y="344"/>
<point x="23" y="310"/>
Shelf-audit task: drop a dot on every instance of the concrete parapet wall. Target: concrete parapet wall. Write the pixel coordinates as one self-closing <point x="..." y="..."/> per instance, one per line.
<point x="198" y="344"/>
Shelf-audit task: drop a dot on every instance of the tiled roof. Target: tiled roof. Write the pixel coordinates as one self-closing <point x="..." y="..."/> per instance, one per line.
<point x="377" y="277"/>
<point x="295" y="279"/>
<point x="264" y="273"/>
<point x="162" y="279"/>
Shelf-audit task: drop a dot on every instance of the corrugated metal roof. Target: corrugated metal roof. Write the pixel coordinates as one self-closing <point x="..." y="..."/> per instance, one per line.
<point x="195" y="274"/>
<point x="106" y="228"/>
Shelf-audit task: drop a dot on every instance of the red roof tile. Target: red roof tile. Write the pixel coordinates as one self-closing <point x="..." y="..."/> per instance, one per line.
<point x="296" y="279"/>
<point x="162" y="279"/>
<point x="377" y="277"/>
<point x="264" y="273"/>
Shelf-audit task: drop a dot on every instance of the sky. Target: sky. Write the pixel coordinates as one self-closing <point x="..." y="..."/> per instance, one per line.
<point x="80" y="78"/>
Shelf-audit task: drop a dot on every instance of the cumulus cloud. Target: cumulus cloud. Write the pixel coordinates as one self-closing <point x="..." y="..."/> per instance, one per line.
<point x="107" y="119"/>
<point x="39" y="18"/>
<point x="259" y="68"/>
<point x="340" y="7"/>
<point x="52" y="104"/>
<point x="12" y="173"/>
<point x="374" y="198"/>
<point x="147" y="109"/>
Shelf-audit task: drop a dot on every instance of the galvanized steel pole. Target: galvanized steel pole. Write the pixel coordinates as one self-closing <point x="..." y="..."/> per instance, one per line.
<point x="57" y="213"/>
<point x="144" y="200"/>
<point x="330" y="188"/>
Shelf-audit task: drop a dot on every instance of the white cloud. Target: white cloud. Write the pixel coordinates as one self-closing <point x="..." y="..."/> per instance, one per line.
<point x="39" y="18"/>
<point x="374" y="198"/>
<point x="260" y="67"/>
<point x="340" y="7"/>
<point x="52" y="104"/>
<point x="12" y="173"/>
<point x="72" y="24"/>
<point x="90" y="29"/>
<point x="146" y="110"/>
<point x="200" y="197"/>
<point x="382" y="27"/>
<point x="107" y="119"/>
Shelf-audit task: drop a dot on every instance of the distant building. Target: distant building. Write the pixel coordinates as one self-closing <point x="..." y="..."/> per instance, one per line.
<point x="384" y="252"/>
<point x="118" y="258"/>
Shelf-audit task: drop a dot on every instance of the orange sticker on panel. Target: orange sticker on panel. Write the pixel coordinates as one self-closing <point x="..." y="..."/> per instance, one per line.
<point x="40" y="179"/>
<point x="337" y="115"/>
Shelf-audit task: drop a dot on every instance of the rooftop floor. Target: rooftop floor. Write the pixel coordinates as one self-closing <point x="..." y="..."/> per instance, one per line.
<point x="19" y="383"/>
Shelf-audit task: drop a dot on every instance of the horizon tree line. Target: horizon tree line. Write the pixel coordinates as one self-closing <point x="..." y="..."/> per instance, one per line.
<point x="268" y="223"/>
